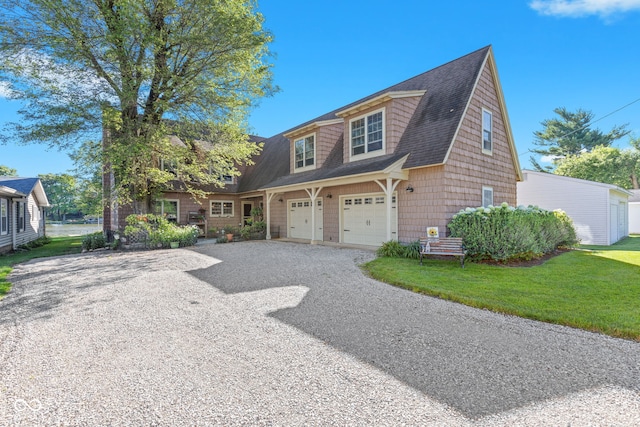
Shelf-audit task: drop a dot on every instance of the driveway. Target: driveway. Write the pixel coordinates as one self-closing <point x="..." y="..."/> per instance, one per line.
<point x="275" y="333"/>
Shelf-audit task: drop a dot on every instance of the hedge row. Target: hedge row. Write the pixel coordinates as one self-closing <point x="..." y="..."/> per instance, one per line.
<point x="506" y="233"/>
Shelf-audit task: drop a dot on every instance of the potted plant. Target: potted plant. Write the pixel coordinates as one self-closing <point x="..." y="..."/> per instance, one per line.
<point x="229" y="231"/>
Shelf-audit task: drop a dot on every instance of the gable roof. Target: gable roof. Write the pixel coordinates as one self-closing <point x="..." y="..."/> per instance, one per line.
<point x="427" y="139"/>
<point x="25" y="186"/>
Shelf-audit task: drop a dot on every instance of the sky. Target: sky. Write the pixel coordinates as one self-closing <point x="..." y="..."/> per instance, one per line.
<point x="549" y="53"/>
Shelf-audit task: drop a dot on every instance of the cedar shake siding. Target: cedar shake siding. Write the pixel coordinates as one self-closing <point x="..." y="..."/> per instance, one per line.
<point x="431" y="166"/>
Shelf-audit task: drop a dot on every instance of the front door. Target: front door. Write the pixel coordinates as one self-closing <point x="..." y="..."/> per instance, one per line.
<point x="246" y="211"/>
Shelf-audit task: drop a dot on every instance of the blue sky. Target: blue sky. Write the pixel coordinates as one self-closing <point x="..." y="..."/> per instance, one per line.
<point x="575" y="54"/>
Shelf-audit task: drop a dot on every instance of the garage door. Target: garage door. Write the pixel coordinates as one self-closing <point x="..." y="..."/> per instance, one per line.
<point x="300" y="219"/>
<point x="364" y="219"/>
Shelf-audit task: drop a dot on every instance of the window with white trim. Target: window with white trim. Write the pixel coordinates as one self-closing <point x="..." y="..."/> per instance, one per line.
<point x="367" y="134"/>
<point x="169" y="208"/>
<point x="305" y="152"/>
<point x="20" y="206"/>
<point x="487" y="197"/>
<point x="487" y="132"/>
<point x="4" y="216"/>
<point x="221" y="208"/>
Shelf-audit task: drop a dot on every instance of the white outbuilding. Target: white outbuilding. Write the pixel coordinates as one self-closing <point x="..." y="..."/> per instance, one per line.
<point x="600" y="212"/>
<point x="634" y="212"/>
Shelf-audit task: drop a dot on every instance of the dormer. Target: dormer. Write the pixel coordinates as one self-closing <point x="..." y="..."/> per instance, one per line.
<point x="311" y="144"/>
<point x="374" y="127"/>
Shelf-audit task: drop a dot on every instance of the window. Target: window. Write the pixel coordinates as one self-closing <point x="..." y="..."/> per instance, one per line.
<point x="305" y="152"/>
<point x="227" y="179"/>
<point x="487" y="129"/>
<point x="367" y="134"/>
<point x="168" y="209"/>
<point x="169" y="165"/>
<point x="221" y="208"/>
<point x="20" y="215"/>
<point x="4" y="216"/>
<point x="487" y="197"/>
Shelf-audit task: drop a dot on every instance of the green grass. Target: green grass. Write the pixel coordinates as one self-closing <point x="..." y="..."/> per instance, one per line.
<point x="596" y="288"/>
<point x="57" y="246"/>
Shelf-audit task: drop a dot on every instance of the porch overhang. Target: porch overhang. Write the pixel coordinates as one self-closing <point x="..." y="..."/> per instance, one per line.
<point x="393" y="171"/>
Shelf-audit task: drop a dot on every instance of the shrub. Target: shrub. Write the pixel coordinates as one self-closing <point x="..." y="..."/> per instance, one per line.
<point x="154" y="231"/>
<point x="396" y="249"/>
<point x="93" y="241"/>
<point x="507" y="233"/>
<point x="40" y="241"/>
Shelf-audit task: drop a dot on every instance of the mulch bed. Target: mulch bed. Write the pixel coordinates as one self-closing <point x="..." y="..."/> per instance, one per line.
<point x="524" y="263"/>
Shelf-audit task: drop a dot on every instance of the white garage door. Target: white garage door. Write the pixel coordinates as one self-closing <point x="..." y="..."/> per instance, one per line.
<point x="300" y="219"/>
<point x="364" y="219"/>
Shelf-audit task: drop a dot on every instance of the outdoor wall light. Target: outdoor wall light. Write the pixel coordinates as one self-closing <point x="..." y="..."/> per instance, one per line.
<point x="280" y="200"/>
<point x="410" y="189"/>
<point x="329" y="196"/>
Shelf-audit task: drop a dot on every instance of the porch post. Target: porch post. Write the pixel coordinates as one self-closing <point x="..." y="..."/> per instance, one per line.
<point x="268" y="215"/>
<point x="389" y="187"/>
<point x="313" y="194"/>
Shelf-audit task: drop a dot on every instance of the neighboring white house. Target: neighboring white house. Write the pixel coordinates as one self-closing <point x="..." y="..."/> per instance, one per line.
<point x="600" y="212"/>
<point x="634" y="212"/>
<point x="22" y="205"/>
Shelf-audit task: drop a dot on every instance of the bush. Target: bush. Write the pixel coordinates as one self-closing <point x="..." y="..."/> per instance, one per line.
<point x="395" y="249"/>
<point x="155" y="232"/>
<point x="40" y="241"/>
<point x="94" y="241"/>
<point x="506" y="233"/>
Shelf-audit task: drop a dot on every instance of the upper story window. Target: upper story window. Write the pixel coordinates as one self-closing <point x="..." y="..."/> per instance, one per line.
<point x="487" y="197"/>
<point x="487" y="131"/>
<point x="4" y="216"/>
<point x="367" y="134"/>
<point x="305" y="152"/>
<point x="227" y="179"/>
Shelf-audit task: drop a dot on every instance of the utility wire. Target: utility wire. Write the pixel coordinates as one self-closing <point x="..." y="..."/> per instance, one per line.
<point x="589" y="124"/>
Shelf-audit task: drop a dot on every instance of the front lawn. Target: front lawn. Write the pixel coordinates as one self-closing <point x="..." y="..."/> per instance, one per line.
<point x="595" y="288"/>
<point x="57" y="246"/>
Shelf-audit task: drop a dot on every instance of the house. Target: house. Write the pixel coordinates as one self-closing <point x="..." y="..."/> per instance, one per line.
<point x="634" y="212"/>
<point x="381" y="168"/>
<point x="22" y="204"/>
<point x="599" y="211"/>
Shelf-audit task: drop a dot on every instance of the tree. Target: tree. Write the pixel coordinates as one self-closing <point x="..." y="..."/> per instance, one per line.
<point x="88" y="173"/>
<point x="604" y="164"/>
<point x="570" y="135"/>
<point x="7" y="171"/>
<point x="129" y="66"/>
<point x="61" y="192"/>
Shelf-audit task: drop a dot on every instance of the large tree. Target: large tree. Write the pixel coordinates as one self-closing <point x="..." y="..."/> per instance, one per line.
<point x="61" y="192"/>
<point x="7" y="171"/>
<point x="610" y="165"/>
<point x="129" y="65"/>
<point x="570" y="134"/>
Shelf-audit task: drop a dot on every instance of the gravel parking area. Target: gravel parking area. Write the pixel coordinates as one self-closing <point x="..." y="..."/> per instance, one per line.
<point x="275" y="333"/>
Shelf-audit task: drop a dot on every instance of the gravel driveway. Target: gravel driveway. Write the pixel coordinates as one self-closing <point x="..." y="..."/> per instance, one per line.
<point x="275" y="333"/>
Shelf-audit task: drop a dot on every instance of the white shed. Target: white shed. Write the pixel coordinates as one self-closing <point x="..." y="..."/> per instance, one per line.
<point x="634" y="212"/>
<point x="600" y="212"/>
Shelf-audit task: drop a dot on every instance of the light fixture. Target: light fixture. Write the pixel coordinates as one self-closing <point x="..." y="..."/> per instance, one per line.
<point x="280" y="200"/>
<point x="410" y="189"/>
<point x="329" y="196"/>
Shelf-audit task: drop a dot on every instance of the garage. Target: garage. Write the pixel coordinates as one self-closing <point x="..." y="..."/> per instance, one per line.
<point x="364" y="219"/>
<point x="300" y="219"/>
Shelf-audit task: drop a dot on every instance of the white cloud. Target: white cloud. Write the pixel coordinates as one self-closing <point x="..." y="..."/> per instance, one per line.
<point x="578" y="8"/>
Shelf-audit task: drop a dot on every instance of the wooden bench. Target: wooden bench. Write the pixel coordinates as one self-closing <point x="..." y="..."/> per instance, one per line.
<point x="442" y="246"/>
